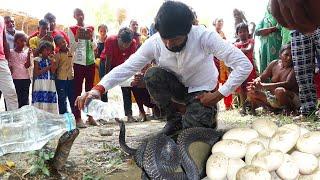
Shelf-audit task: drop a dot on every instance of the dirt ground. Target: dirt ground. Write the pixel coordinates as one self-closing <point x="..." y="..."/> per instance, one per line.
<point x="96" y="155"/>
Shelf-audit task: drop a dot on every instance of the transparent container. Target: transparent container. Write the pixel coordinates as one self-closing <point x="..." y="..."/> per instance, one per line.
<point x="29" y="128"/>
<point x="103" y="110"/>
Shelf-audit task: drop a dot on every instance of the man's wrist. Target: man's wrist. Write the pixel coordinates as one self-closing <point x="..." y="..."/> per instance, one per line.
<point x="99" y="88"/>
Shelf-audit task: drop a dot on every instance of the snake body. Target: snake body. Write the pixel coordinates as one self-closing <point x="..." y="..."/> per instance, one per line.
<point x="160" y="157"/>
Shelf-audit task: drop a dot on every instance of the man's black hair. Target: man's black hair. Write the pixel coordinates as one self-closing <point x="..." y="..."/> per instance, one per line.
<point x="45" y="44"/>
<point x="125" y="34"/>
<point x="43" y="22"/>
<point x="58" y="38"/>
<point x="19" y="35"/>
<point x="173" y="19"/>
<point x="49" y="17"/>
<point x="284" y="47"/>
<point x="102" y="26"/>
<point x="242" y="26"/>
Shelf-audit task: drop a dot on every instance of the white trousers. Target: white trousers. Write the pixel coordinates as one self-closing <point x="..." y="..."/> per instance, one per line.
<point x="7" y="87"/>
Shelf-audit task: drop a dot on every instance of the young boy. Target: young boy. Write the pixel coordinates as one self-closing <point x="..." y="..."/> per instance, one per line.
<point x="246" y="45"/>
<point x="64" y="75"/>
<point x="82" y="47"/>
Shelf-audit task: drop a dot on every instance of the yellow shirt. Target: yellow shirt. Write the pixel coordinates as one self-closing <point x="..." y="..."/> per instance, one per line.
<point x="34" y="42"/>
<point x="64" y="65"/>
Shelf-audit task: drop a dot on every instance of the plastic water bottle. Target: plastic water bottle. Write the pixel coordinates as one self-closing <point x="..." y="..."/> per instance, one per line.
<point x="103" y="110"/>
<point x="29" y="128"/>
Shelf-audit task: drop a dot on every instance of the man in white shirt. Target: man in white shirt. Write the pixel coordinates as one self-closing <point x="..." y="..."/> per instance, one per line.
<point x="185" y="73"/>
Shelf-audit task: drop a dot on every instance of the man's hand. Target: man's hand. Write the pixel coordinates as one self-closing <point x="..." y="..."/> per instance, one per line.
<point x="302" y="15"/>
<point x="210" y="99"/>
<point x="85" y="98"/>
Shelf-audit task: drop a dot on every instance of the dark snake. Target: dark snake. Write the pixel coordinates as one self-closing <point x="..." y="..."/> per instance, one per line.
<point x="160" y="157"/>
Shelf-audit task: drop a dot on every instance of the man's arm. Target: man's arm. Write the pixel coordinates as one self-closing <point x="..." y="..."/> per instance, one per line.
<point x="232" y="56"/>
<point x="135" y="63"/>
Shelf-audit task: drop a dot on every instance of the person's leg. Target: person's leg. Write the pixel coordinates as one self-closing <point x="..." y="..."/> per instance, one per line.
<point x="317" y="46"/>
<point x="22" y="90"/>
<point x="62" y="95"/>
<point x="89" y="76"/>
<point x="257" y="99"/>
<point x="102" y="69"/>
<point x="25" y="92"/>
<point x="70" y="94"/>
<point x="285" y="98"/>
<point x="18" y="85"/>
<point x="303" y="57"/>
<point x="79" y="72"/>
<point x="164" y="87"/>
<point x="127" y="102"/>
<point x="7" y="87"/>
<point x="139" y="99"/>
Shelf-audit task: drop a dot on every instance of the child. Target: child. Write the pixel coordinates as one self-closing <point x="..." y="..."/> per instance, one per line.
<point x="44" y="89"/>
<point x="101" y="65"/>
<point x="246" y="45"/>
<point x="19" y="62"/>
<point x="64" y="75"/>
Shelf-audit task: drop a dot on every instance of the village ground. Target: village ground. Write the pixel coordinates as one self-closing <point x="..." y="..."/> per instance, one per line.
<point x="96" y="153"/>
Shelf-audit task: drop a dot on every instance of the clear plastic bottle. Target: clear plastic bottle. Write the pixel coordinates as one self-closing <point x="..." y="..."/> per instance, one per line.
<point x="104" y="110"/>
<point x="29" y="128"/>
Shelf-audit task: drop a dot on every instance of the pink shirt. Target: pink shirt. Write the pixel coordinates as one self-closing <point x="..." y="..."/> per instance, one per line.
<point x="16" y="64"/>
<point x="2" y="55"/>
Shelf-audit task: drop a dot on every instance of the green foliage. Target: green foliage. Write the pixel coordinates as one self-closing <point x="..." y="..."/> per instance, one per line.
<point x="39" y="165"/>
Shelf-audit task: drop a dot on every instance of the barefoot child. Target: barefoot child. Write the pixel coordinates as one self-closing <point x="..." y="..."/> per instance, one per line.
<point x="44" y="90"/>
<point x="246" y="45"/>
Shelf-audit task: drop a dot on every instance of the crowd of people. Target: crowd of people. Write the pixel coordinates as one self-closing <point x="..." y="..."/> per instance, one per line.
<point x="182" y="71"/>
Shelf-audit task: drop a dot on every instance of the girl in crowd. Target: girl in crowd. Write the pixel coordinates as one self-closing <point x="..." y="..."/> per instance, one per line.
<point x="19" y="62"/>
<point x="44" y="89"/>
<point x="246" y="45"/>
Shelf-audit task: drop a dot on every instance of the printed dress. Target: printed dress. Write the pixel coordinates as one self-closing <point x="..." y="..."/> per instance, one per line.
<point x="44" y="94"/>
